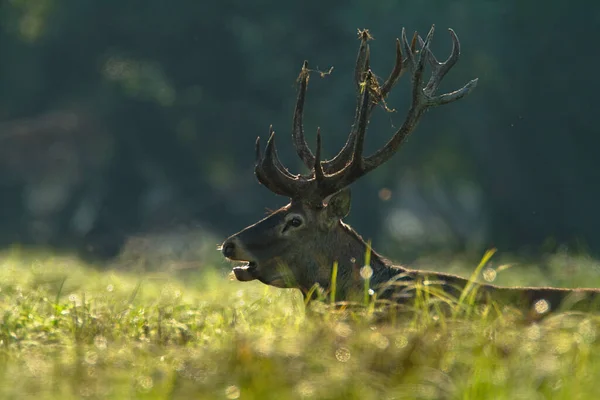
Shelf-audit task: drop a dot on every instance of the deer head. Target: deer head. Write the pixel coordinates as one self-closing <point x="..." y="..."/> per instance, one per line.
<point x="297" y="245"/>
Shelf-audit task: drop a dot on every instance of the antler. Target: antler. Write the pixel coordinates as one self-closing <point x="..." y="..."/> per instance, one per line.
<point x="329" y="176"/>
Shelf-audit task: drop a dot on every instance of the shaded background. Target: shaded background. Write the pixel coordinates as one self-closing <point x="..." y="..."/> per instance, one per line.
<point x="119" y="118"/>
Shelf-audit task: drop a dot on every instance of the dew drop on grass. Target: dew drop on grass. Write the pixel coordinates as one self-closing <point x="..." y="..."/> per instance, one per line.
<point x="541" y="306"/>
<point x="534" y="333"/>
<point x="587" y="331"/>
<point x="563" y="342"/>
<point x="343" y="329"/>
<point x="366" y="272"/>
<point x="401" y="342"/>
<point x="342" y="354"/>
<point x="305" y="389"/>
<point x="380" y="341"/>
<point x="232" y="392"/>
<point x="145" y="383"/>
<point x="489" y="274"/>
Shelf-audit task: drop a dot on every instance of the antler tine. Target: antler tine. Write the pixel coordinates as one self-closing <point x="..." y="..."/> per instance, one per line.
<point x="433" y="62"/>
<point x="363" y="121"/>
<point x="344" y="156"/>
<point x="421" y="101"/>
<point x="440" y="69"/>
<point x="409" y="49"/>
<point x="400" y="65"/>
<point x="300" y="144"/>
<point x="270" y="172"/>
<point x="262" y="176"/>
<point x="257" y="152"/>
<point x="452" y="96"/>
<point x="362" y="58"/>
<point x="355" y="169"/>
<point x="319" y="174"/>
<point x="276" y="161"/>
<point x="420" y="66"/>
<point x="397" y="71"/>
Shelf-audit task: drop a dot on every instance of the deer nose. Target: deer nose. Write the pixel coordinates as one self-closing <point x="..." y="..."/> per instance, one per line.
<point x="228" y="248"/>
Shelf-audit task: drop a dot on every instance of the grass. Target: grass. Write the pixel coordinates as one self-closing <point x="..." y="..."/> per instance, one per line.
<point x="70" y="331"/>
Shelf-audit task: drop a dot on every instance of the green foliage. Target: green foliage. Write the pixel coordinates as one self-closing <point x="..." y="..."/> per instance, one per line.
<point x="69" y="331"/>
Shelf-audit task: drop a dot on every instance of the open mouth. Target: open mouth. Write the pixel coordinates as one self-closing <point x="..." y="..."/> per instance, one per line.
<point x="245" y="272"/>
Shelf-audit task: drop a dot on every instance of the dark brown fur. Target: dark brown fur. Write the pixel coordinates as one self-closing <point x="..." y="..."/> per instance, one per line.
<point x="303" y="256"/>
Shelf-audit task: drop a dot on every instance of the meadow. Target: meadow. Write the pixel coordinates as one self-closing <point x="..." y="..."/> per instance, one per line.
<point x="73" y="331"/>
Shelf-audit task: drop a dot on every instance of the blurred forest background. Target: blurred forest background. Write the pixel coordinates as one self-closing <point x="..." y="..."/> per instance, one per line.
<point x="119" y="118"/>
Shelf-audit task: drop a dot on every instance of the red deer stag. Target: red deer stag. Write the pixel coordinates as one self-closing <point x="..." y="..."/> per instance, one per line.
<point x="297" y="245"/>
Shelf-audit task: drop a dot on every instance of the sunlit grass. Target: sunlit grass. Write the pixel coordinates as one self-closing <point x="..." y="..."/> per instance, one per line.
<point x="72" y="331"/>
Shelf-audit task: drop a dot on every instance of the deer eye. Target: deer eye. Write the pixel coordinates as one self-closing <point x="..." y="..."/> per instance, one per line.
<point x="295" y="222"/>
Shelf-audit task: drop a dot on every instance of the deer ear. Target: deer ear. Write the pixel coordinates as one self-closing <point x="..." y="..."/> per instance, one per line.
<point x="338" y="205"/>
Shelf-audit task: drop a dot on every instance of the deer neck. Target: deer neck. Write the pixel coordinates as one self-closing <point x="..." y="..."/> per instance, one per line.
<point x="351" y="258"/>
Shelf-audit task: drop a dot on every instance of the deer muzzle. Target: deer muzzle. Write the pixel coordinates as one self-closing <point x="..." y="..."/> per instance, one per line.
<point x="245" y="272"/>
<point x="234" y="251"/>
